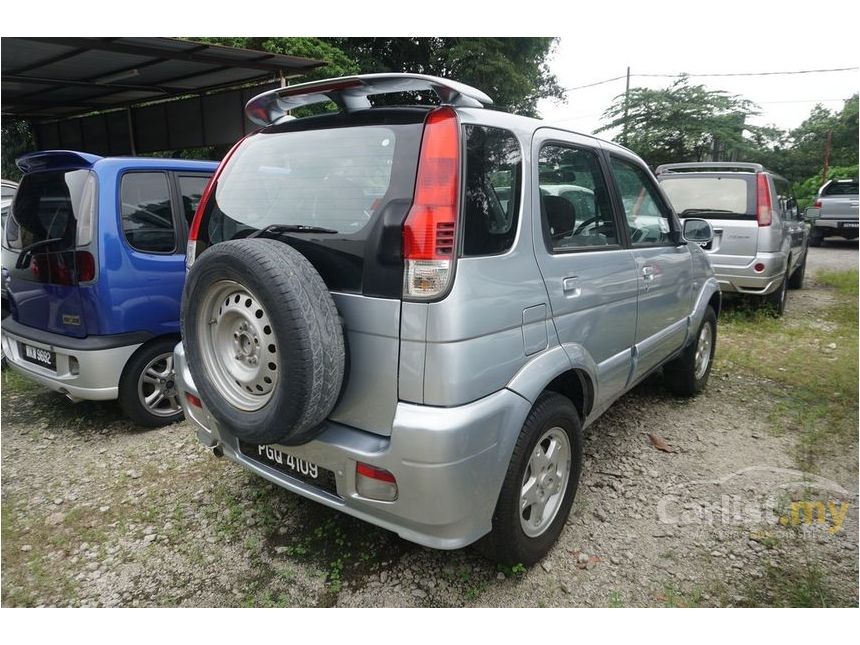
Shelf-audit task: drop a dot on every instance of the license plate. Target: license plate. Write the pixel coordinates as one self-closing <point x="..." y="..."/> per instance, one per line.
<point x="849" y="224"/>
<point x="291" y="465"/>
<point x="39" y="356"/>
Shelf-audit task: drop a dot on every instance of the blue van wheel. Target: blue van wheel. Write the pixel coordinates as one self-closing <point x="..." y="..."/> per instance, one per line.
<point x="147" y="389"/>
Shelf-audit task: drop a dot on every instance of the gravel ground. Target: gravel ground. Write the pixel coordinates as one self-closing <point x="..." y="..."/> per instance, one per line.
<point x="97" y="512"/>
<point x="836" y="254"/>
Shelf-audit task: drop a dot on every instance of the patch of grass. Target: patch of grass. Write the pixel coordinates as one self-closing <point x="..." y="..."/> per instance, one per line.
<point x="810" y="361"/>
<point x="796" y="584"/>
<point x="672" y="597"/>
<point x="615" y="600"/>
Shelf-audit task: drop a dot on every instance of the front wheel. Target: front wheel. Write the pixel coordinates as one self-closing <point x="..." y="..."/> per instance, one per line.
<point x="540" y="483"/>
<point x="147" y="388"/>
<point x="688" y="374"/>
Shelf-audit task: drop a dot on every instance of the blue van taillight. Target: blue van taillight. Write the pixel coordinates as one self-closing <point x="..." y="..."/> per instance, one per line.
<point x="86" y="266"/>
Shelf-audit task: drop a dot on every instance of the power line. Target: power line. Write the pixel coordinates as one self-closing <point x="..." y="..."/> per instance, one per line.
<point x="623" y="76"/>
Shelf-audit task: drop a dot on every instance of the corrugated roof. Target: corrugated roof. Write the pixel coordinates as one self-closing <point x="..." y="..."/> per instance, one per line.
<point x="44" y="78"/>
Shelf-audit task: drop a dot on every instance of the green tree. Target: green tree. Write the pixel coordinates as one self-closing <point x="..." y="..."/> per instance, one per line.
<point x="684" y="122"/>
<point x="338" y="63"/>
<point x="803" y="155"/>
<point x="513" y="71"/>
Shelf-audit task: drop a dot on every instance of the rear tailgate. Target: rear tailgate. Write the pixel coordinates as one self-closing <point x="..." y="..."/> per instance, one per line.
<point x="339" y="187"/>
<point x="728" y="203"/>
<point x="47" y="249"/>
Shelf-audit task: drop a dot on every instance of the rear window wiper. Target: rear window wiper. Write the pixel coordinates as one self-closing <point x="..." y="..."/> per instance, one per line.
<point x="277" y="229"/>
<point x="691" y="211"/>
<point x="24" y="256"/>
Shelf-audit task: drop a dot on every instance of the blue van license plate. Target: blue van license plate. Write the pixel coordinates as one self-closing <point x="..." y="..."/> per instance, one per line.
<point x="39" y="356"/>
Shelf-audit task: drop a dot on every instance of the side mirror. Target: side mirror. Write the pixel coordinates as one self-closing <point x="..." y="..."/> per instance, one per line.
<point x="812" y="213"/>
<point x="698" y="231"/>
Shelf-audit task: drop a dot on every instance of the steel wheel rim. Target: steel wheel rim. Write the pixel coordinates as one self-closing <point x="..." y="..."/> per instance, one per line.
<point x="544" y="482"/>
<point x="238" y="345"/>
<point x="156" y="387"/>
<point x="703" y="350"/>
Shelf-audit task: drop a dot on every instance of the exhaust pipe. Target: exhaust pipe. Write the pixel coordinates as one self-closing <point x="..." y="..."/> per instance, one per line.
<point x="217" y="450"/>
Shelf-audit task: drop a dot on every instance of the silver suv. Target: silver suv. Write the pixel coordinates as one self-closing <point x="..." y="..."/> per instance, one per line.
<point x="409" y="314"/>
<point x="760" y="235"/>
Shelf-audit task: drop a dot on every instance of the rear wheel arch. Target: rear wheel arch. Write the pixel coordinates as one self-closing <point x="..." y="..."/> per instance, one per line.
<point x="576" y="385"/>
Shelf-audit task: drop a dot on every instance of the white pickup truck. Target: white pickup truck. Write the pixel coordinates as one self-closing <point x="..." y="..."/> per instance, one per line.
<point x="835" y="211"/>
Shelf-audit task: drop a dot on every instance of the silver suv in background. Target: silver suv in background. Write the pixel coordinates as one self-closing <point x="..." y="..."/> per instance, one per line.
<point x="409" y="314"/>
<point x="835" y="211"/>
<point x="760" y="236"/>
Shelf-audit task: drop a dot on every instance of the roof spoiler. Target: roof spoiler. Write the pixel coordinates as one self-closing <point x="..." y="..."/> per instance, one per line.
<point x="704" y="166"/>
<point x="350" y="93"/>
<point x="54" y="159"/>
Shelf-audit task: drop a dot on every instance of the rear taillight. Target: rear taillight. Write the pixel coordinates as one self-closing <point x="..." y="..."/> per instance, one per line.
<point x="193" y="232"/>
<point x="430" y="229"/>
<point x="85" y="264"/>
<point x="817" y="203"/>
<point x="764" y="212"/>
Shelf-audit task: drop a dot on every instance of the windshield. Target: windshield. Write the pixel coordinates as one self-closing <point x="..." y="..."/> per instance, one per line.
<point x="712" y="197"/>
<point x="48" y="206"/>
<point x="332" y="179"/>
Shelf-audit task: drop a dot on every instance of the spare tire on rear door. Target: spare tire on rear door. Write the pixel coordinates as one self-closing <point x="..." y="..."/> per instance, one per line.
<point x="263" y="340"/>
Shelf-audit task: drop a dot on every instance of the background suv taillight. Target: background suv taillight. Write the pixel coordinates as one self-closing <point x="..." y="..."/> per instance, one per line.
<point x="430" y="229"/>
<point x="764" y="209"/>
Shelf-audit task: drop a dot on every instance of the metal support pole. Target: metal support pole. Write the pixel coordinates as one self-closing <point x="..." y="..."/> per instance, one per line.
<point x="626" y="106"/>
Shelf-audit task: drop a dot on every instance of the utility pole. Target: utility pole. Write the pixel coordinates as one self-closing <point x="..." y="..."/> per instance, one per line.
<point x="827" y="143"/>
<point x="626" y="105"/>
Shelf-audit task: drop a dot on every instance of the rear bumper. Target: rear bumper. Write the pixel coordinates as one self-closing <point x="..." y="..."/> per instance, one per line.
<point x="847" y="227"/>
<point x="449" y="463"/>
<point x="745" y="279"/>
<point x="100" y="361"/>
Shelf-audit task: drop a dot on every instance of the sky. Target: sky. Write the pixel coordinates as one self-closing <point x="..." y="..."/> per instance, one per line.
<point x="710" y="38"/>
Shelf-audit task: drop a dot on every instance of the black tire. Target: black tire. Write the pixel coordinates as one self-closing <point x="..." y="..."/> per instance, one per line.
<point x="680" y="374"/>
<point x="797" y="278"/>
<point x="306" y="329"/>
<point x="816" y="238"/>
<point x="508" y="543"/>
<point x="129" y="398"/>
<point x="776" y="301"/>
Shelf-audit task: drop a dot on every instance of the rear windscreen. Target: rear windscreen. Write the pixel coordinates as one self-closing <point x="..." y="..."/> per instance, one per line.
<point x="335" y="187"/>
<point x="333" y="179"/>
<point x="48" y="206"/>
<point x="840" y="188"/>
<point x="711" y="197"/>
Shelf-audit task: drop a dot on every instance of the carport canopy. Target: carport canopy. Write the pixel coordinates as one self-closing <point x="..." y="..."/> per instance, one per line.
<point x="133" y="95"/>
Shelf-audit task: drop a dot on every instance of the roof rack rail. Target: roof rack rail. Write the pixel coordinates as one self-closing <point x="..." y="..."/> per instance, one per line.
<point x="704" y="166"/>
<point x="350" y="93"/>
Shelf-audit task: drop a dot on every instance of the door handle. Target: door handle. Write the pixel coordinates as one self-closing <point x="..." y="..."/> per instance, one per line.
<point x="648" y="273"/>
<point x="571" y="287"/>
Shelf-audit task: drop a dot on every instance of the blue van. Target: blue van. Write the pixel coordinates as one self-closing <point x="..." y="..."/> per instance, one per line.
<point x="93" y="265"/>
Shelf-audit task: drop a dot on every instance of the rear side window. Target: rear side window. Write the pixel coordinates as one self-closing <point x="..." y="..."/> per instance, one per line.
<point x="493" y="190"/>
<point x="709" y="197"/>
<point x="147" y="217"/>
<point x="47" y="208"/>
<point x="191" y="189"/>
